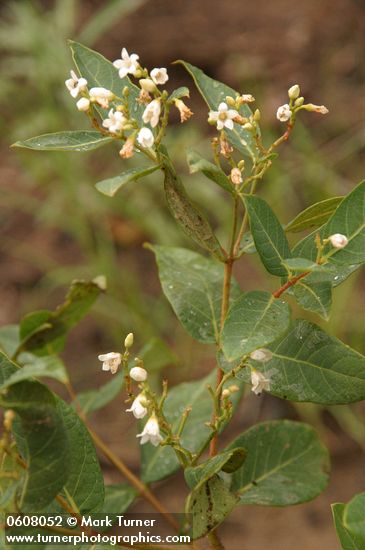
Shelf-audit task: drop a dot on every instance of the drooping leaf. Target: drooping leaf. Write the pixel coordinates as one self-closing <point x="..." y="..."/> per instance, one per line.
<point x="228" y="461"/>
<point x="209" y="505"/>
<point x="314" y="216"/>
<point x="197" y="163"/>
<point x="50" y="366"/>
<point x="354" y="517"/>
<point x="191" y="220"/>
<point x="193" y="286"/>
<point x="268" y="235"/>
<point x="43" y="332"/>
<point x="100" y="72"/>
<point x="45" y="443"/>
<point x="348" y="540"/>
<point x="214" y="92"/>
<point x="76" y="140"/>
<point x="286" y="464"/>
<point x="316" y="297"/>
<point x="111" y="185"/>
<point x="254" y="320"/>
<point x="92" y="400"/>
<point x="310" y="365"/>
<point x="160" y="462"/>
<point x="348" y="219"/>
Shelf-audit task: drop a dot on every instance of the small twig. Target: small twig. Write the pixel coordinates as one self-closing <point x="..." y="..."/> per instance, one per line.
<point x="288" y="284"/>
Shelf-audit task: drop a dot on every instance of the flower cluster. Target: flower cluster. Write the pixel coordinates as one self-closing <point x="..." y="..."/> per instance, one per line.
<point x="287" y="112"/>
<point x="119" y="120"/>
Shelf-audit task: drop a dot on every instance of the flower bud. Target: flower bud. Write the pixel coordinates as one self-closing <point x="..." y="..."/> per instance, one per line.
<point x="299" y="102"/>
<point x="125" y="91"/>
<point x="241" y="164"/>
<point x="294" y="92"/>
<point x="246" y="98"/>
<point x="226" y="393"/>
<point x="127" y="151"/>
<point x="230" y="101"/>
<point x="147" y="85"/>
<point x="316" y="108"/>
<point x="138" y="374"/>
<point x="83" y="104"/>
<point x="236" y="176"/>
<point x="338" y="241"/>
<point x="9" y="417"/>
<point x="128" y="342"/>
<point x="257" y="115"/>
<point x="248" y="126"/>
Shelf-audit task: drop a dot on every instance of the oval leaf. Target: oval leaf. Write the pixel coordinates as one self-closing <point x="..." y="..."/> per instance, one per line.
<point x="254" y="320"/>
<point x="193" y="286"/>
<point x="348" y="540"/>
<point x="354" y="517"/>
<point x="78" y="141"/>
<point x="229" y="461"/>
<point x="310" y="365"/>
<point x="316" y="297"/>
<point x="268" y="235"/>
<point x="286" y="464"/>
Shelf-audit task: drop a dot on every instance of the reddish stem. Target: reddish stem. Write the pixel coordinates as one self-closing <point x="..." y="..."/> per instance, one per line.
<point x="288" y="284"/>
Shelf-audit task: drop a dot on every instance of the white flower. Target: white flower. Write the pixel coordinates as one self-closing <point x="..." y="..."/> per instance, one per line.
<point x="145" y="138"/>
<point x="147" y="85"/>
<point x="102" y="96"/>
<point x="75" y="85"/>
<point x="246" y="98"/>
<point x="111" y="361"/>
<point x="223" y="117"/>
<point x="138" y="374"/>
<point x="159" y="76"/>
<point x="338" y="241"/>
<point x="236" y="176"/>
<point x="151" y="432"/>
<point x="316" y="108"/>
<point x="128" y="64"/>
<point x="138" y="407"/>
<point x="259" y="382"/>
<point x="152" y="113"/>
<point x="83" y="104"/>
<point x="115" y="121"/>
<point x="283" y="113"/>
<point x="261" y="354"/>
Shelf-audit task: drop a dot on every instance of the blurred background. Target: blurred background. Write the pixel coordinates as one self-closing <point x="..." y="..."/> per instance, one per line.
<point x="57" y="227"/>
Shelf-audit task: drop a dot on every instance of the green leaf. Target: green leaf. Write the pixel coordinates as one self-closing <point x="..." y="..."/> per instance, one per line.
<point x="354" y="517"/>
<point x="160" y="462"/>
<point x="228" y="461"/>
<point x="214" y="92"/>
<point x="186" y="213"/>
<point x="43" y="332"/>
<point x="77" y="140"/>
<point x="85" y="484"/>
<point x="193" y="286"/>
<point x="209" y="505"/>
<point x="302" y="264"/>
<point x="36" y="367"/>
<point x="197" y="163"/>
<point x="92" y="400"/>
<point x="313" y="216"/>
<point x="183" y="91"/>
<point x="310" y="365"/>
<point x="45" y="442"/>
<point x="254" y="320"/>
<point x="349" y="220"/>
<point x="101" y="72"/>
<point x="348" y="540"/>
<point x="111" y="185"/>
<point x="118" y="498"/>
<point x="268" y="235"/>
<point x="286" y="464"/>
<point x="316" y="297"/>
<point x="9" y="339"/>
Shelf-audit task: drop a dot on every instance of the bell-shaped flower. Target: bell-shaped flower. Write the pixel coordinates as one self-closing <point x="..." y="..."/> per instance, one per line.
<point x="152" y="113"/>
<point x="338" y="240"/>
<point x="83" y="104"/>
<point x="139" y="374"/>
<point x="128" y="64"/>
<point x="138" y="407"/>
<point x="224" y="117"/>
<point x="159" y="76"/>
<point x="145" y="138"/>
<point x="151" y="432"/>
<point x="259" y="382"/>
<point x="75" y="85"/>
<point x="115" y="121"/>
<point x="111" y="361"/>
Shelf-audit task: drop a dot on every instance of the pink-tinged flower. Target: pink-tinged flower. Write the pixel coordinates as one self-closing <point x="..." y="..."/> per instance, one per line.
<point x="223" y="118"/>
<point x="338" y="241"/>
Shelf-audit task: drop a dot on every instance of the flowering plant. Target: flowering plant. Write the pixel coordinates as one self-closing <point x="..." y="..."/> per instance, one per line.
<point x="258" y="343"/>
